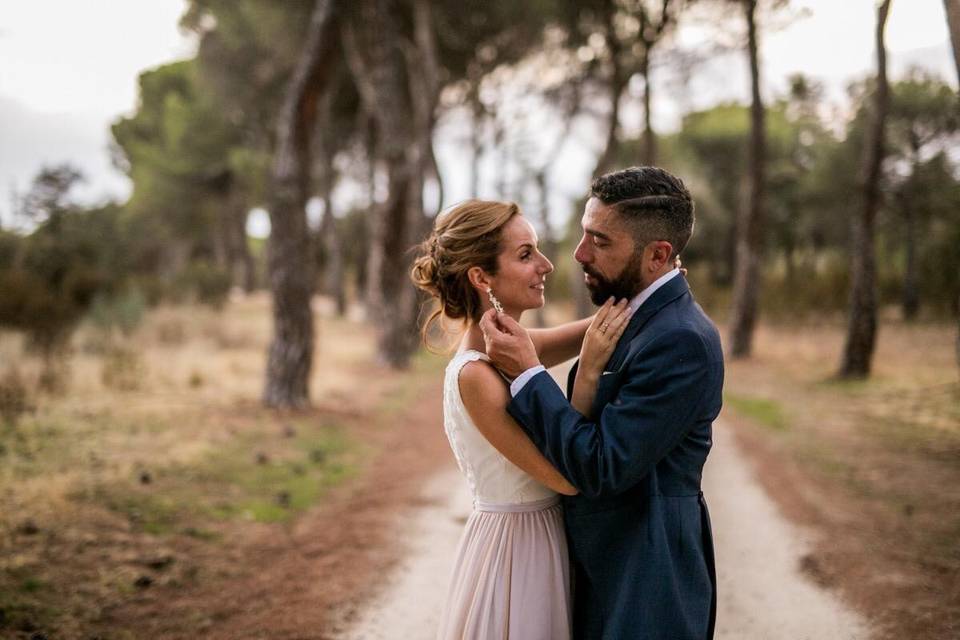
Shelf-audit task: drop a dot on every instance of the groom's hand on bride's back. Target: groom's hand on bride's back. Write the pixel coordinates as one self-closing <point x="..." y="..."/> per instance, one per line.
<point x="508" y="344"/>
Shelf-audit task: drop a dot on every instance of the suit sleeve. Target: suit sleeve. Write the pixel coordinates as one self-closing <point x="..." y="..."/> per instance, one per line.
<point x="657" y="404"/>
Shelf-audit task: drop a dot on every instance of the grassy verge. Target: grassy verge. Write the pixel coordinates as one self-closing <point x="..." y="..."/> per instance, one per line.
<point x="106" y="491"/>
<point x="763" y="411"/>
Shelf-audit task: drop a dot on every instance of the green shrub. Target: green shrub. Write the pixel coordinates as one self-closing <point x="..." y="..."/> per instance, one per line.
<point x="124" y="311"/>
<point x="205" y="282"/>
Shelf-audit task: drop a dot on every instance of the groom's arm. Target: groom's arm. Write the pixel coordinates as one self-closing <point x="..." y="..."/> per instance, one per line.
<point x="664" y="391"/>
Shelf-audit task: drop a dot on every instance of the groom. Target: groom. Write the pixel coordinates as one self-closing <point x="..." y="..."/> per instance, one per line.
<point x="639" y="532"/>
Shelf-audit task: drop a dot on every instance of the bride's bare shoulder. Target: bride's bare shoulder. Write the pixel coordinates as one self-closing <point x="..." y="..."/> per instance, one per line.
<point x="481" y="384"/>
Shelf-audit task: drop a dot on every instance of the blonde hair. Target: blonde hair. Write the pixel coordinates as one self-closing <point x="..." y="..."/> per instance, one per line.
<point x="468" y="235"/>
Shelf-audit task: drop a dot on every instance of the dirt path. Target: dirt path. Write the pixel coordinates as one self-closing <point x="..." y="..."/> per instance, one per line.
<point x="762" y="590"/>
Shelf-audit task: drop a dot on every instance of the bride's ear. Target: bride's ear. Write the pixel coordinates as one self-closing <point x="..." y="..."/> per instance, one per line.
<point x="478" y="279"/>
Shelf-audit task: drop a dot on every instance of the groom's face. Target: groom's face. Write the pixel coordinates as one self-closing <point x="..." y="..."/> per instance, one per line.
<point x="608" y="254"/>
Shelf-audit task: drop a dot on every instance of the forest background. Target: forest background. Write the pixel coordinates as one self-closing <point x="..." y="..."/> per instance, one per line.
<point x="826" y="224"/>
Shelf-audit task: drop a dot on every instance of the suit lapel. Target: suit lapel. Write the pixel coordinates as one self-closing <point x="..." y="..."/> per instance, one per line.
<point x="673" y="289"/>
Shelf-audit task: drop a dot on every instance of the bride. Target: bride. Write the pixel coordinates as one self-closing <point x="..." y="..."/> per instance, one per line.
<point x="511" y="574"/>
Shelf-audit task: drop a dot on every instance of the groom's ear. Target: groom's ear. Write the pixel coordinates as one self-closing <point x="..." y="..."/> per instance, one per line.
<point x="658" y="254"/>
<point x="478" y="279"/>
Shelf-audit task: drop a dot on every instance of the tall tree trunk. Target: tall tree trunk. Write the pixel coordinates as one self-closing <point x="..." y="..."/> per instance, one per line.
<point x="952" y="8"/>
<point x="243" y="268"/>
<point x="746" y="280"/>
<point x="953" y="22"/>
<point x="398" y="322"/>
<point x="911" y="294"/>
<point x="373" y="291"/>
<point x="220" y="239"/>
<point x="725" y="255"/>
<point x="423" y="61"/>
<point x="649" y="137"/>
<point x="476" y="140"/>
<point x="289" y="256"/>
<point x="618" y="83"/>
<point x="376" y="58"/>
<point x="501" y="187"/>
<point x="230" y="236"/>
<point x="862" y="321"/>
<point x="651" y="31"/>
<point x="326" y="180"/>
<point x="333" y="284"/>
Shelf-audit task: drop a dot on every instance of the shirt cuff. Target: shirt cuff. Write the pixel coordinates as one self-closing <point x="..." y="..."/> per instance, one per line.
<point x="523" y="378"/>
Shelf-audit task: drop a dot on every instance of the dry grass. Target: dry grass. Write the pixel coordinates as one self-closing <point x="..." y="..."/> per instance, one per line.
<point x="158" y="455"/>
<point x="874" y="463"/>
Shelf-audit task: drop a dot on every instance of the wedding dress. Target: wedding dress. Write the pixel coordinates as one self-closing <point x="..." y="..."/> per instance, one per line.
<point x="511" y="575"/>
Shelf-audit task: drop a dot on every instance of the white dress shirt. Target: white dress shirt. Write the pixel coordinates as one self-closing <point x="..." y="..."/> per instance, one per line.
<point x="634" y="304"/>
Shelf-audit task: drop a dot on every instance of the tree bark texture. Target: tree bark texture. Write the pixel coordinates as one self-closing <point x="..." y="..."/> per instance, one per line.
<point x="289" y="257"/>
<point x="952" y="8"/>
<point x="377" y="61"/>
<point x="862" y="320"/>
<point x="333" y="284"/>
<point x="746" y="280"/>
<point x="373" y="266"/>
<point x="326" y="178"/>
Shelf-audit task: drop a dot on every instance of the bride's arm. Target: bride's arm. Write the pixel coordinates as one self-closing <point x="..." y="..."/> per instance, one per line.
<point x="598" y="345"/>
<point x="559" y="344"/>
<point x="485" y="397"/>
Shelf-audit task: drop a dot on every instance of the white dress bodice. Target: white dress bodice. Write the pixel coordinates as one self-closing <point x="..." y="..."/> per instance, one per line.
<point x="492" y="478"/>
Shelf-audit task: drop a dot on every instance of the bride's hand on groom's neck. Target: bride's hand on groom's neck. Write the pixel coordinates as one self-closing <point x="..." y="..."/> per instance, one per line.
<point x="508" y="344"/>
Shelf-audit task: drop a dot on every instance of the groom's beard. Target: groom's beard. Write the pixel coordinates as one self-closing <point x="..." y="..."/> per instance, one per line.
<point x="628" y="284"/>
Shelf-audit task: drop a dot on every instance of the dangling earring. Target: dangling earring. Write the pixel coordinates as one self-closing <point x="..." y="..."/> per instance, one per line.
<point x="493" y="300"/>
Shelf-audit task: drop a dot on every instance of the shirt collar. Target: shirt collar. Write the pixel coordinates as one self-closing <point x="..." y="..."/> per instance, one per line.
<point x="642" y="297"/>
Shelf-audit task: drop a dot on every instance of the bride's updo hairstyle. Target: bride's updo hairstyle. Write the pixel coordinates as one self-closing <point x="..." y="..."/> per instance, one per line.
<point x="467" y="235"/>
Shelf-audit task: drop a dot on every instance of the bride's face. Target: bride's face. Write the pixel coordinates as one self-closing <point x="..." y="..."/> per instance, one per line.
<point x="522" y="268"/>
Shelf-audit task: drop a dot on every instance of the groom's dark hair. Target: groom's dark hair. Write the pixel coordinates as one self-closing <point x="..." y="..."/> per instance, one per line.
<point x="655" y="203"/>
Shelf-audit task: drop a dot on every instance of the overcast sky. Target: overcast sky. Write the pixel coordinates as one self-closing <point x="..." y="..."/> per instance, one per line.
<point x="68" y="68"/>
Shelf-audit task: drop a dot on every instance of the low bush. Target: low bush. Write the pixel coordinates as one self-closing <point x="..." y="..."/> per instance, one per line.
<point x="123" y="369"/>
<point x="14" y="397"/>
<point x="123" y="311"/>
<point x="205" y="283"/>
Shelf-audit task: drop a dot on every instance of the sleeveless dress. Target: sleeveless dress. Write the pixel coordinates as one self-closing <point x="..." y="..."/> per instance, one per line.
<point x="511" y="577"/>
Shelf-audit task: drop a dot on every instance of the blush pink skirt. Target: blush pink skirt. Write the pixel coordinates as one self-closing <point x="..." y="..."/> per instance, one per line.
<point x="511" y="578"/>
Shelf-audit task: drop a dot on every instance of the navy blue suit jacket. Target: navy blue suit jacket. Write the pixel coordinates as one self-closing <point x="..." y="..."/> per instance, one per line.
<point x="639" y="533"/>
